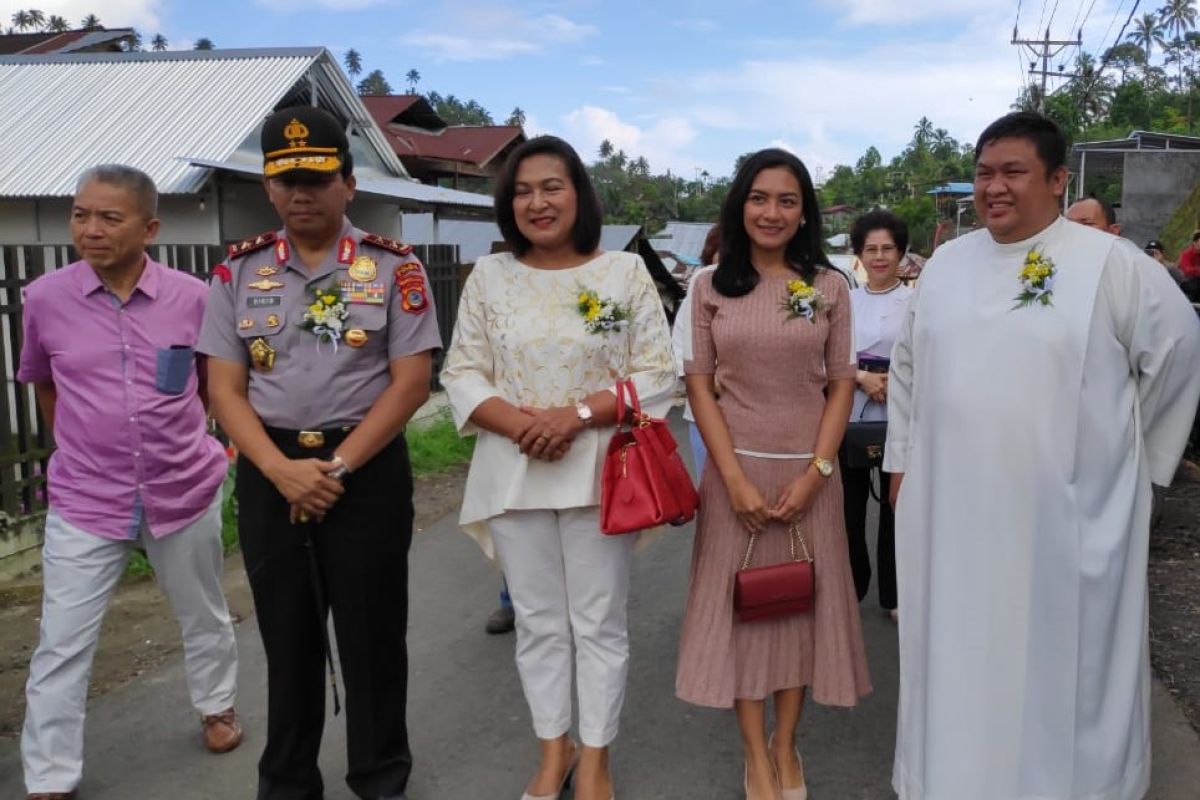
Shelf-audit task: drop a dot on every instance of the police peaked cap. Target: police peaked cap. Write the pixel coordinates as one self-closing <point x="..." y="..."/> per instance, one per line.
<point x="303" y="137"/>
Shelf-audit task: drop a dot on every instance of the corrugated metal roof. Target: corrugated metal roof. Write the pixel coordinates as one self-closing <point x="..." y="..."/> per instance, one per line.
<point x="149" y="110"/>
<point x="618" y="237"/>
<point x="683" y="238"/>
<point x="370" y="182"/>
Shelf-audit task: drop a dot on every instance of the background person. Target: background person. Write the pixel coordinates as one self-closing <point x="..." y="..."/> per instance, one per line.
<point x="681" y="343"/>
<point x="543" y="335"/>
<point x="879" y="239"/>
<point x="787" y="384"/>
<point x="109" y="348"/>
<point x="320" y="338"/>
<point x="1095" y="213"/>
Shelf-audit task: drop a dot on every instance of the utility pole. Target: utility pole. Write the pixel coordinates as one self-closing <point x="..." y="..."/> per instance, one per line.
<point x="1044" y="50"/>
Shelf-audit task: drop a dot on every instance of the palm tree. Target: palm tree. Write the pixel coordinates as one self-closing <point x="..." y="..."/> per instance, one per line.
<point x="203" y="43"/>
<point x="923" y="132"/>
<point x="133" y="43"/>
<point x="21" y="21"/>
<point x="158" y="43"/>
<point x="606" y="149"/>
<point x="413" y="77"/>
<point x="517" y="117"/>
<point x="90" y="23"/>
<point x="56" y="24"/>
<point x="353" y="61"/>
<point x="36" y="18"/>
<point x="1178" y="17"/>
<point x="1146" y="33"/>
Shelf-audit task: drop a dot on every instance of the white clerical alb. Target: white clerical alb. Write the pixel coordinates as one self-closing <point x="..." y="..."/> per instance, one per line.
<point x="1029" y="438"/>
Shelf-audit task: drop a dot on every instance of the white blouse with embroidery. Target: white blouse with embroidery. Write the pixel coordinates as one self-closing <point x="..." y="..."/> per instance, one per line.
<point x="520" y="337"/>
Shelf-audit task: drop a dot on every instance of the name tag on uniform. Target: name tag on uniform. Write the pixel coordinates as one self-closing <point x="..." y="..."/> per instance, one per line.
<point x="260" y="302"/>
<point x="372" y="294"/>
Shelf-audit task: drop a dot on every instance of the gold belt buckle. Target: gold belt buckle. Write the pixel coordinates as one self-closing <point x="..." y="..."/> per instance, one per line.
<point x="311" y="439"/>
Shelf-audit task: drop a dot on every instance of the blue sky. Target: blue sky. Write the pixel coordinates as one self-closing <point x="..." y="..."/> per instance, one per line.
<point x="690" y="86"/>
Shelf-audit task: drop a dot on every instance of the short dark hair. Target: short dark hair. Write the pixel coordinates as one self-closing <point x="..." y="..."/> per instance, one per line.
<point x="878" y="219"/>
<point x="589" y="217"/>
<point x="1195" y="235"/>
<point x="1110" y="213"/>
<point x="735" y="275"/>
<point x="1046" y="136"/>
<point x="347" y="165"/>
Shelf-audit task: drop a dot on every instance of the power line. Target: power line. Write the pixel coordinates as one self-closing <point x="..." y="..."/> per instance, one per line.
<point x="1116" y="15"/>
<point x="1053" y="11"/>
<point x="1107" y="56"/>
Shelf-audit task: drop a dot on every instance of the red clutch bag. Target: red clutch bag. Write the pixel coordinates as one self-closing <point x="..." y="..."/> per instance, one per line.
<point x="644" y="482"/>
<point x="778" y="590"/>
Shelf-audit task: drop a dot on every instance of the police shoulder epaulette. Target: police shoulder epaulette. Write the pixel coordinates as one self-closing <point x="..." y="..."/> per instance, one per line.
<point x="387" y="244"/>
<point x="250" y="245"/>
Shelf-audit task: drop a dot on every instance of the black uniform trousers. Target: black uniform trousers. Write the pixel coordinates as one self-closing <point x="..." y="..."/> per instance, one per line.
<point x="361" y="549"/>
<point x="856" y="492"/>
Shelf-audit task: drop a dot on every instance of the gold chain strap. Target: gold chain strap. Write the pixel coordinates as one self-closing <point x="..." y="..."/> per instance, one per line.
<point x="794" y="535"/>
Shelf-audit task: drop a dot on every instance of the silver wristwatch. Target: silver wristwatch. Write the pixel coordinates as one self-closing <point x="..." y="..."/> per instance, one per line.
<point x="584" y="411"/>
<point x="340" y="471"/>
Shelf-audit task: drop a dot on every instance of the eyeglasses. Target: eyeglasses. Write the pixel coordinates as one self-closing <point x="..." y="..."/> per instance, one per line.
<point x="881" y="250"/>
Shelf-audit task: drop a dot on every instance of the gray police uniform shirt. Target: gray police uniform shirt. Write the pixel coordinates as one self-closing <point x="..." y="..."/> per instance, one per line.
<point x="256" y="306"/>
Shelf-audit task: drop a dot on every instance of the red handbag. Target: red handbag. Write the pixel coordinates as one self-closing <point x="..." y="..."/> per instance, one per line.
<point x="777" y="590"/>
<point x="644" y="482"/>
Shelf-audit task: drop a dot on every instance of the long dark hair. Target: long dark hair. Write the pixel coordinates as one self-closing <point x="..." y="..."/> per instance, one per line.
<point x="735" y="275"/>
<point x="589" y="217"/>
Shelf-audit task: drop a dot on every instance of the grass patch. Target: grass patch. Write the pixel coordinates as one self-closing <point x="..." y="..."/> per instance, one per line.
<point x="436" y="446"/>
<point x="1177" y="233"/>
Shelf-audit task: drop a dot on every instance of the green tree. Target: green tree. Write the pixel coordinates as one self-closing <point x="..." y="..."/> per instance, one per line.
<point x="353" y="62"/>
<point x="413" y="78"/>
<point x="133" y="43"/>
<point x="90" y="23"/>
<point x="374" y="83"/>
<point x="517" y="117"/>
<point x="203" y="43"/>
<point x="57" y="24"/>
<point x="457" y="112"/>
<point x="158" y="43"/>
<point x="606" y="150"/>
<point x="1178" y="17"/>
<point x="1147" y="32"/>
<point x="22" y="21"/>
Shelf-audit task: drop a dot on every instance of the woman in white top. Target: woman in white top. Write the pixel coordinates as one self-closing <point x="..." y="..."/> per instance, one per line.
<point x="544" y="333"/>
<point x="681" y="343"/>
<point x="879" y="239"/>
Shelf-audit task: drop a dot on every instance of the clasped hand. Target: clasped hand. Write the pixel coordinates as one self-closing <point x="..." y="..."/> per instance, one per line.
<point x="306" y="485"/>
<point x="546" y="433"/>
<point x="793" y="503"/>
<point x="874" y="385"/>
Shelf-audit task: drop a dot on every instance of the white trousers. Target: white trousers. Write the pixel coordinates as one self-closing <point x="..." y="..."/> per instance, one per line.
<point x="569" y="585"/>
<point x="80" y="572"/>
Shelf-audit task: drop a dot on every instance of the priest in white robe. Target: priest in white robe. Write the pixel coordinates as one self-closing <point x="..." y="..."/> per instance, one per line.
<point x="1046" y="374"/>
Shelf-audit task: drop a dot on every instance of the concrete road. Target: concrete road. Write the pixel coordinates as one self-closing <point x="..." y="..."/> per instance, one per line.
<point x="469" y="725"/>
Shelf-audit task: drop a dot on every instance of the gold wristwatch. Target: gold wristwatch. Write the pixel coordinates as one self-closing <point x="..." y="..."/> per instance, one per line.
<point x="824" y="466"/>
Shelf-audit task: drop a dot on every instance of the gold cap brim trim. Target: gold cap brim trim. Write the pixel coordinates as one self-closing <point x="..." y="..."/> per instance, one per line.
<point x="278" y="166"/>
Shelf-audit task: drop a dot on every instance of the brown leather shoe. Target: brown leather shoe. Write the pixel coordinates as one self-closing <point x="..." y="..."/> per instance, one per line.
<point x="222" y="732"/>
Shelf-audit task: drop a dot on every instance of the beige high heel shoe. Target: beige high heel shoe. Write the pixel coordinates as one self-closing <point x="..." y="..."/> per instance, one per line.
<point x="572" y="763"/>
<point x="800" y="792"/>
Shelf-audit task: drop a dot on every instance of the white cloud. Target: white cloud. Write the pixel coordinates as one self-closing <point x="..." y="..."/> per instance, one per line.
<point x="890" y="12"/>
<point x="140" y="14"/>
<point x="592" y="61"/>
<point x="496" y="33"/>
<point x="664" y="143"/>
<point x="333" y="5"/>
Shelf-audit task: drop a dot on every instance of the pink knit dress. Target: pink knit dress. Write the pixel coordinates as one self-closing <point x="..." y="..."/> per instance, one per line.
<point x="772" y="370"/>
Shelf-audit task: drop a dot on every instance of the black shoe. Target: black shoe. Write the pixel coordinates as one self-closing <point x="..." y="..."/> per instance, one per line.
<point x="502" y="620"/>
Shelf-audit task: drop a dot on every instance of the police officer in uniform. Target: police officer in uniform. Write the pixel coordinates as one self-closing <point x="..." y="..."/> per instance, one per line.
<point x="320" y="339"/>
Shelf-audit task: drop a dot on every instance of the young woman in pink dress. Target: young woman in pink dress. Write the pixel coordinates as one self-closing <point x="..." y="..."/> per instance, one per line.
<point x="786" y="371"/>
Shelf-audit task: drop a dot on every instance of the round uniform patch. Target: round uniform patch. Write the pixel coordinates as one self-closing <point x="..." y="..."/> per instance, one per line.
<point x="414" y="300"/>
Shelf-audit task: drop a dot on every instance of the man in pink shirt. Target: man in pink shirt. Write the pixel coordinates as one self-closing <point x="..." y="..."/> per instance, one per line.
<point x="109" y="348"/>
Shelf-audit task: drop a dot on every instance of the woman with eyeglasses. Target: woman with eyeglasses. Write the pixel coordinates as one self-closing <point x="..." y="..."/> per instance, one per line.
<point x="880" y="239"/>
